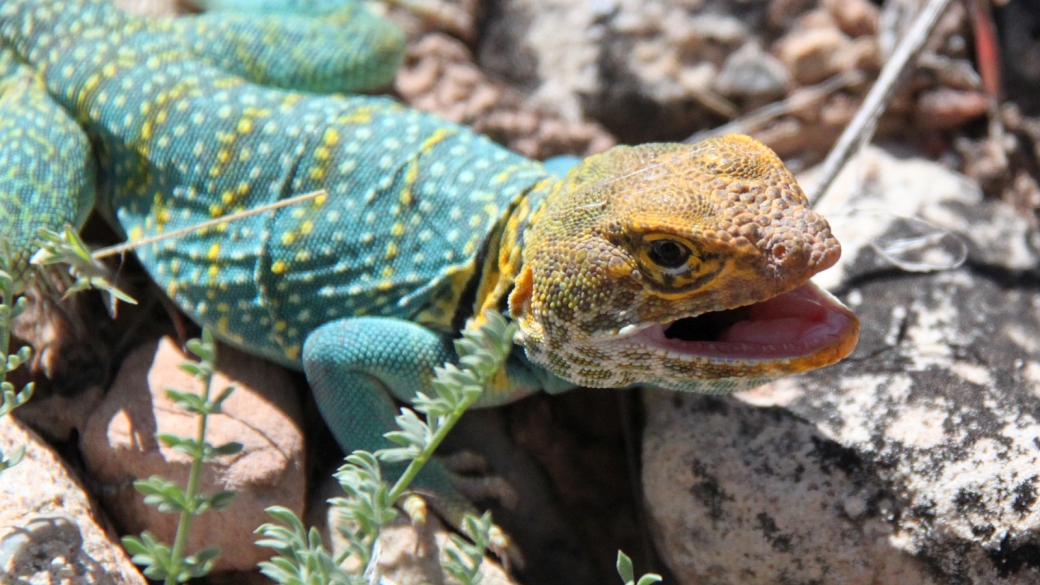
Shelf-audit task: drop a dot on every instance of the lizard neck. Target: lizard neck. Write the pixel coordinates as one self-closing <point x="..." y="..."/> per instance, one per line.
<point x="503" y="259"/>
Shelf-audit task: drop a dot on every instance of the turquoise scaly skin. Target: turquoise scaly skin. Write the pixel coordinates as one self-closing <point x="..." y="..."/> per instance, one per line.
<point x="424" y="225"/>
<point x="369" y="277"/>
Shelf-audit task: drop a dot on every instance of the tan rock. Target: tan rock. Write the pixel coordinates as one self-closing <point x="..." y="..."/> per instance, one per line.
<point x="812" y="55"/>
<point x="855" y="17"/>
<point x="151" y="7"/>
<point x="119" y="446"/>
<point x="943" y="108"/>
<point x="50" y="530"/>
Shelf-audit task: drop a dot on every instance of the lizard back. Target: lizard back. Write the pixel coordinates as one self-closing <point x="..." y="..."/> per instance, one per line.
<point x="410" y="199"/>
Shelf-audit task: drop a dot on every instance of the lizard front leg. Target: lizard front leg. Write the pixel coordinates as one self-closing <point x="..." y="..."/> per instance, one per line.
<point x="357" y="366"/>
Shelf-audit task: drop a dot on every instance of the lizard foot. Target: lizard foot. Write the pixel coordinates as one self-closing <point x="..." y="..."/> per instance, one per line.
<point x="499" y="541"/>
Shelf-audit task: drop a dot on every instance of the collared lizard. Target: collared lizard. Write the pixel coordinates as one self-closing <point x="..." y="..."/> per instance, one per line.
<point x="667" y="265"/>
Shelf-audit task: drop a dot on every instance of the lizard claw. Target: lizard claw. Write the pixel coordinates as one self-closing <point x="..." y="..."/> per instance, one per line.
<point x="416" y="509"/>
<point x="505" y="549"/>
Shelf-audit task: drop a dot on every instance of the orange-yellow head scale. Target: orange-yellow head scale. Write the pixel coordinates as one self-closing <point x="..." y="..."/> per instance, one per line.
<point x="682" y="267"/>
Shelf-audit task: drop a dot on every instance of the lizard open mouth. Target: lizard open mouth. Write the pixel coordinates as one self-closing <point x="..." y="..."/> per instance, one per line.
<point x="801" y="322"/>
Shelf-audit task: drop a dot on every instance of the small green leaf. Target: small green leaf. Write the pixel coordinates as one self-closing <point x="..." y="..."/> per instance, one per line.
<point x="223" y="396"/>
<point x="225" y="449"/>
<point x="186" y="401"/>
<point x="201" y="562"/>
<point x="191" y="368"/>
<point x="221" y="500"/>
<point x="184" y="445"/>
<point x="624" y="568"/>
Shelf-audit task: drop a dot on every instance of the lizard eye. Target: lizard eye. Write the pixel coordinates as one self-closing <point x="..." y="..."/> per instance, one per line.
<point x="668" y="253"/>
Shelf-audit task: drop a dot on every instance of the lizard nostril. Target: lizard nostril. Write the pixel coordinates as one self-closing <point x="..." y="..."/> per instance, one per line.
<point x="779" y="251"/>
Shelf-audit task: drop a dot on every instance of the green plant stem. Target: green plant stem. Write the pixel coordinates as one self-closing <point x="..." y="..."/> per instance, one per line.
<point x="181" y="539"/>
<point x="5" y="327"/>
<point x="416" y="464"/>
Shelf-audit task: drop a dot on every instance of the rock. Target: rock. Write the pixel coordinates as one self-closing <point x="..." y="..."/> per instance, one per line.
<point x="118" y="445"/>
<point x="812" y="54"/>
<point x="644" y="69"/>
<point x="407" y="556"/>
<point x="151" y="7"/>
<point x="50" y="530"/>
<point x="945" y="109"/>
<point x="749" y="495"/>
<point x="69" y="364"/>
<point x="915" y="460"/>
<point x="855" y="17"/>
<point x="752" y="72"/>
<point x="439" y="76"/>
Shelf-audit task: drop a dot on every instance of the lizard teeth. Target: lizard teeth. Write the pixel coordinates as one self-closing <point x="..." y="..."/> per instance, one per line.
<point x="627" y="330"/>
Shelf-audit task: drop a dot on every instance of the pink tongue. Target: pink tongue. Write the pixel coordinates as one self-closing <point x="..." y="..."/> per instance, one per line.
<point x="783" y="319"/>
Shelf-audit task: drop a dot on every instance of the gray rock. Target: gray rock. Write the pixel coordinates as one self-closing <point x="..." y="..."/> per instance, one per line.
<point x="915" y="460"/>
<point x="643" y="68"/>
<point x="751" y="72"/>
<point x="50" y="530"/>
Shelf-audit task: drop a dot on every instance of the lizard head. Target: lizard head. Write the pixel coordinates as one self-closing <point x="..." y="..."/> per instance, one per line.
<point x="681" y="267"/>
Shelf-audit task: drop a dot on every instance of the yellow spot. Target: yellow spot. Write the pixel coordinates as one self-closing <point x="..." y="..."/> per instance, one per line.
<point x="306" y="227"/>
<point x="245" y="126"/>
<point x="223" y="307"/>
<point x="331" y="136"/>
<point x="288" y="238"/>
<point x="317" y="174"/>
<point x="397" y="229"/>
<point x="292" y="352"/>
<point x="222" y="324"/>
<point x="214" y="251"/>
<point x="362" y="115"/>
<point x="216" y="210"/>
<point x="213" y="271"/>
<point x="321" y="199"/>
<point x="136" y="233"/>
<point x="388" y="272"/>
<point x="91" y="82"/>
<point x="227" y="197"/>
<point x="171" y="289"/>
<point x="303" y="256"/>
<point x="278" y="267"/>
<point x="321" y="153"/>
<point x="391" y="250"/>
<point x="109" y="70"/>
<point x="280" y="325"/>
